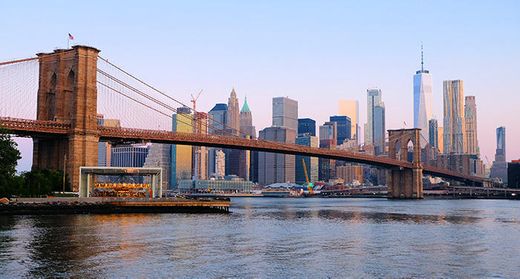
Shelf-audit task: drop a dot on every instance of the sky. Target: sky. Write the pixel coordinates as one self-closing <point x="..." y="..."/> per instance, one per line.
<point x="316" y="52"/>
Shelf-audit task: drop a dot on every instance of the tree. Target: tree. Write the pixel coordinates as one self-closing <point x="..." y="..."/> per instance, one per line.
<point x="41" y="182"/>
<point x="32" y="183"/>
<point x="9" y="156"/>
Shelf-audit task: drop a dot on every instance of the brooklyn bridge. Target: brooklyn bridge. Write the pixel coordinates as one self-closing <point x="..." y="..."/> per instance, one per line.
<point x="66" y="133"/>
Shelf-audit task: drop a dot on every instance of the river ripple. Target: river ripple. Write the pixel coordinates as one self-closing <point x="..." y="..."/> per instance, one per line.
<point x="273" y="238"/>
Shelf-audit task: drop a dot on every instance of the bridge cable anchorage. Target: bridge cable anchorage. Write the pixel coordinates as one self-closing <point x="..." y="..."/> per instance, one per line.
<point x="166" y="95"/>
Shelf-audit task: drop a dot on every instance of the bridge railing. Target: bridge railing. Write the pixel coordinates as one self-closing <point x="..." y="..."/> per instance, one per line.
<point x="29" y="125"/>
<point x="264" y="145"/>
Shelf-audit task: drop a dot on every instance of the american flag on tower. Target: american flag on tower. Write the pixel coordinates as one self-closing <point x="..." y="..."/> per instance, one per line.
<point x="71" y="37"/>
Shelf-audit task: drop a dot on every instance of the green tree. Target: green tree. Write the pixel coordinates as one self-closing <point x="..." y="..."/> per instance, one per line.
<point x="41" y="182"/>
<point x="9" y="156"/>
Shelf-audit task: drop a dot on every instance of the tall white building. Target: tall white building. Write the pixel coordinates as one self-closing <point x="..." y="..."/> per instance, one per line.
<point x="285" y="113"/>
<point x="454" y="125"/>
<point x="159" y="156"/>
<point x="422" y="101"/>
<point x="374" y="99"/>
<point x="220" y="163"/>
<point x="272" y="167"/>
<point x="233" y="113"/>
<point x="350" y="108"/>
<point x="470" y="118"/>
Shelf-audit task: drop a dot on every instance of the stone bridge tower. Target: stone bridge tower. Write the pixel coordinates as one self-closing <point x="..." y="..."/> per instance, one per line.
<point x="405" y="183"/>
<point x="67" y="93"/>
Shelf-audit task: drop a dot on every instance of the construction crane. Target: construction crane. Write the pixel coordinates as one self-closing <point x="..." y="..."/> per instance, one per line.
<point x="309" y="184"/>
<point x="194" y="100"/>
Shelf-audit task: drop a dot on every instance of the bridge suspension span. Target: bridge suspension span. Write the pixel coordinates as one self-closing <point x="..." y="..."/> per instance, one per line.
<point x="65" y="91"/>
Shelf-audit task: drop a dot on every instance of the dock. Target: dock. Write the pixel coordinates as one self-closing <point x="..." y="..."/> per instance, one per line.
<point x="52" y="206"/>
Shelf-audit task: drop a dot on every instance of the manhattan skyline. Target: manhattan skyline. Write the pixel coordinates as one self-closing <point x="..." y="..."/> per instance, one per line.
<point x="315" y="56"/>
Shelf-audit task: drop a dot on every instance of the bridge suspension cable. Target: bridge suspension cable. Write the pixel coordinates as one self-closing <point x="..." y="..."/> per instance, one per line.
<point x="225" y="126"/>
<point x="224" y="130"/>
<point x="19" y="87"/>
<point x="18" y="61"/>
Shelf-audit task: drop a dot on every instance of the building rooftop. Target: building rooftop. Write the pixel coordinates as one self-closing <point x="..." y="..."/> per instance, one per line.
<point x="220" y="106"/>
<point x="245" y="107"/>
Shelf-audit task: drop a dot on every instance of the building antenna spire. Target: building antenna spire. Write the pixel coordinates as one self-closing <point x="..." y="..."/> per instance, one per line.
<point x="422" y="58"/>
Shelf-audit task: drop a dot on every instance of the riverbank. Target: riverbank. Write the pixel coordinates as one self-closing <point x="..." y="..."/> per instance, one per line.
<point x="50" y="206"/>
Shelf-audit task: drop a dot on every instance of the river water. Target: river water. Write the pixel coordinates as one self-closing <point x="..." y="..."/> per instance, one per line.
<point x="273" y="238"/>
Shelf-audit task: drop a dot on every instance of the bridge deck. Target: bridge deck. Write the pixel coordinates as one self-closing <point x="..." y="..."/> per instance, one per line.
<point x="25" y="127"/>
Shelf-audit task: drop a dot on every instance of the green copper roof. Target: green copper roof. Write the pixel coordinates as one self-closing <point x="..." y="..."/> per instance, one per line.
<point x="245" y="107"/>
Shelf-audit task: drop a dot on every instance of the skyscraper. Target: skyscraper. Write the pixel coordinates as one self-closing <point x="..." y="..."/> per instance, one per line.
<point x="181" y="155"/>
<point x="104" y="148"/>
<point x="247" y="130"/>
<point x="440" y="131"/>
<point x="422" y="100"/>
<point x="233" y="113"/>
<point x="433" y="133"/>
<point x="350" y="108"/>
<point x="220" y="163"/>
<point x="379" y="129"/>
<point x="306" y="126"/>
<point x="470" y="118"/>
<point x="200" y="153"/>
<point x="310" y="162"/>
<point x="513" y="174"/>
<point x="344" y="127"/>
<point x="233" y="128"/>
<point x="159" y="156"/>
<point x="217" y="118"/>
<point x="453" y="95"/>
<point x="500" y="154"/>
<point x="328" y="136"/>
<point x="272" y="167"/>
<point x="246" y="121"/>
<point x="499" y="168"/>
<point x="285" y="113"/>
<point x="279" y="167"/>
<point x="374" y="98"/>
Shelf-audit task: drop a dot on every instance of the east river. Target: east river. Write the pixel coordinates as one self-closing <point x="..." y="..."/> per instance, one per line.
<point x="273" y="238"/>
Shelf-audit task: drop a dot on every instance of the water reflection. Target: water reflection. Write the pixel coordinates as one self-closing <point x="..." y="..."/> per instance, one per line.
<point x="266" y="238"/>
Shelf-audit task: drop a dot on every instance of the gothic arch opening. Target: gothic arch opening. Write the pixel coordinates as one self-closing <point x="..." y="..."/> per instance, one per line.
<point x="397" y="149"/>
<point x="410" y="148"/>
<point x="50" y="98"/>
<point x="68" y="95"/>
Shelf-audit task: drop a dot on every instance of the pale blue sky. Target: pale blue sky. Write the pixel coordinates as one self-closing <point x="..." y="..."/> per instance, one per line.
<point x="314" y="51"/>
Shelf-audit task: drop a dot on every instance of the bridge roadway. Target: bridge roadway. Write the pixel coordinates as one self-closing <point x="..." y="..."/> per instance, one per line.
<point x="26" y="127"/>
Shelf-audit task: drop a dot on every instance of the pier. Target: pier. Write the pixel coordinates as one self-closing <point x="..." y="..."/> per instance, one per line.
<point x="47" y="206"/>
